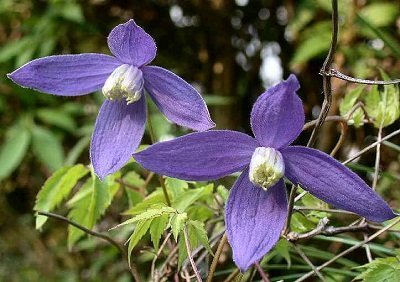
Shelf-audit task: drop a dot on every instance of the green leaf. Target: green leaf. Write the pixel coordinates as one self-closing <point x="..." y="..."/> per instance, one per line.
<point x="178" y="222"/>
<point x="134" y="179"/>
<point x="154" y="199"/>
<point x="350" y="100"/>
<point x="176" y="186"/>
<point x="381" y="14"/>
<point x="134" y="197"/>
<point x="184" y="200"/>
<point x="157" y="227"/>
<point x="47" y="147"/>
<point x="90" y="207"/>
<point x="57" y="117"/>
<point x="300" y="223"/>
<point x="282" y="248"/>
<point x="381" y="269"/>
<point x="140" y="230"/>
<point x="149" y="214"/>
<point x="57" y="188"/>
<point x="13" y="149"/>
<point x="200" y="213"/>
<point x="223" y="192"/>
<point x="200" y="234"/>
<point x="383" y="105"/>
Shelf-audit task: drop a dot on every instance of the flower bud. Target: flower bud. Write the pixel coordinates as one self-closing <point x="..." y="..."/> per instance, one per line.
<point x="125" y="82"/>
<point x="266" y="167"/>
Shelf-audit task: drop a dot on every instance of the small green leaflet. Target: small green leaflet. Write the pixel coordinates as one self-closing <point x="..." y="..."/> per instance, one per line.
<point x="154" y="199"/>
<point x="89" y="208"/>
<point x="140" y="230"/>
<point x="200" y="233"/>
<point x="176" y="186"/>
<point x="183" y="201"/>
<point x="149" y="214"/>
<point x="178" y="222"/>
<point x="158" y="225"/>
<point x="57" y="188"/>
<point x="347" y="104"/>
<point x="13" y="149"/>
<point x="381" y="269"/>
<point x="383" y="105"/>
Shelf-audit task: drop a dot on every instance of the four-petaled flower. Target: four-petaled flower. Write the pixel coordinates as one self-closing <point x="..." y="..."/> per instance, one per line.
<point x="123" y="77"/>
<point x="256" y="209"/>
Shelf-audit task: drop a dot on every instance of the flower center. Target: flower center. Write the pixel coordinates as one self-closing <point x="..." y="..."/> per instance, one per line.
<point x="125" y="82"/>
<point x="266" y="167"/>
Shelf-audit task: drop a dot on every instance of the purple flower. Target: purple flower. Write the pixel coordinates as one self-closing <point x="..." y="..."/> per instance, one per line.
<point x="123" y="77"/>
<point x="257" y="206"/>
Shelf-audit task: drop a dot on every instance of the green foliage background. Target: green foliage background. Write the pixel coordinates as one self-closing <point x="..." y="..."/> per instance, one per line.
<point x="219" y="46"/>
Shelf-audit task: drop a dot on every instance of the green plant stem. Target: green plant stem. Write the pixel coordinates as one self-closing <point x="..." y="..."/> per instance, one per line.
<point x="160" y="177"/>
<point x="214" y="263"/>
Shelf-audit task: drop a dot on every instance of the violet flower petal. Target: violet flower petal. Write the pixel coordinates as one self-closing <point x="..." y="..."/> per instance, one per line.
<point x="277" y="117"/>
<point x="118" y="131"/>
<point x="66" y="75"/>
<point x="177" y="99"/>
<point x="332" y="182"/>
<point x="199" y="156"/>
<point x="131" y="44"/>
<point x="254" y="219"/>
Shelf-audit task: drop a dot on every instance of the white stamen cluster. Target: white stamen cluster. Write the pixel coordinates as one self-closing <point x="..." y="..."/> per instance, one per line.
<point x="125" y="82"/>
<point x="266" y="167"/>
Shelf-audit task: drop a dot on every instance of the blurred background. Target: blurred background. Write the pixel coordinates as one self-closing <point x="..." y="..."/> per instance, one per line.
<point x="231" y="50"/>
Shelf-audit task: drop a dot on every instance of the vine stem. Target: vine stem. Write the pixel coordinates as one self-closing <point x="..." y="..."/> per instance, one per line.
<point x="214" y="263"/>
<point x="326" y="105"/>
<point x="376" y="234"/>
<point x="132" y="268"/>
<point x="189" y="252"/>
<point x="160" y="177"/>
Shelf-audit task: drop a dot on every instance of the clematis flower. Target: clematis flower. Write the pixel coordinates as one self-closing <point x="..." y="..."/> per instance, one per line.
<point x="122" y="78"/>
<point x="257" y="206"/>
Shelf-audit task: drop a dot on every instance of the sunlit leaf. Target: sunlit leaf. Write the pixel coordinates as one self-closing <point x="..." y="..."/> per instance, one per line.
<point x="157" y="228"/>
<point x="140" y="230"/>
<point x="178" y="221"/>
<point x="56" y="189"/>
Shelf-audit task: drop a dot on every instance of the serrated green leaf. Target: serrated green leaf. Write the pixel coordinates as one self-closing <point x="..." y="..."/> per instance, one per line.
<point x="13" y="149"/>
<point x="57" y="118"/>
<point x="57" y="188"/>
<point x="176" y="186"/>
<point x="183" y="201"/>
<point x="182" y="250"/>
<point x="223" y="192"/>
<point x="134" y="179"/>
<point x="381" y="269"/>
<point x="200" y="234"/>
<point x="89" y="208"/>
<point x="350" y="100"/>
<point x="154" y="199"/>
<point x="200" y="213"/>
<point x="149" y="214"/>
<point x="383" y="105"/>
<point x="282" y="248"/>
<point x="300" y="223"/>
<point x="140" y="230"/>
<point x="157" y="228"/>
<point x="178" y="222"/>
<point x="47" y="147"/>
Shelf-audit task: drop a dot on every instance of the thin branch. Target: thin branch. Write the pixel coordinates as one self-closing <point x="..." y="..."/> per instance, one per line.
<point x="342" y="138"/>
<point x="308" y="261"/>
<point x="232" y="276"/>
<point x="327" y="84"/>
<point x="132" y="268"/>
<point x="376" y="234"/>
<point x="153" y="263"/>
<point x="291" y="201"/>
<point x="263" y="275"/>
<point x="189" y="252"/>
<point x="216" y="257"/>
<point x="338" y="74"/>
<point x="301" y="208"/>
<point x="366" y="149"/>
